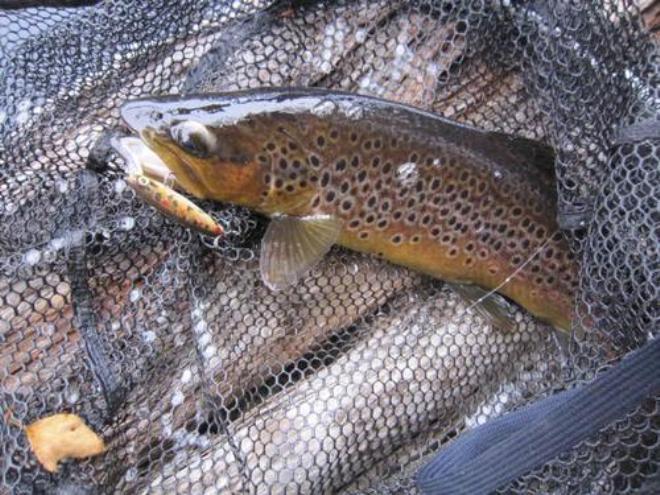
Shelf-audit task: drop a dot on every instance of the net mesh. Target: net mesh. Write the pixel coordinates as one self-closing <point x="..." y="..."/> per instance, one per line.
<point x="201" y="380"/>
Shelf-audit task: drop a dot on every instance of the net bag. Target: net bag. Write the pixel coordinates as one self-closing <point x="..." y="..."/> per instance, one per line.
<point x="365" y="377"/>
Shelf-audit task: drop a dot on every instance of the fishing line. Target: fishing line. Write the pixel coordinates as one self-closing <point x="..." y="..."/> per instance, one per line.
<point x="510" y="277"/>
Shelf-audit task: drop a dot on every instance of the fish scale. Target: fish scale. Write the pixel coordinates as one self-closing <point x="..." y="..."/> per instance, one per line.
<point x="440" y="212"/>
<point x="447" y="200"/>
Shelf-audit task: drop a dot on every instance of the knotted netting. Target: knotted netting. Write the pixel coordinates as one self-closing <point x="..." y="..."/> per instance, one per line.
<point x="202" y="380"/>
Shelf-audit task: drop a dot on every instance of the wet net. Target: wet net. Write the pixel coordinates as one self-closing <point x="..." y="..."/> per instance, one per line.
<point x="200" y="379"/>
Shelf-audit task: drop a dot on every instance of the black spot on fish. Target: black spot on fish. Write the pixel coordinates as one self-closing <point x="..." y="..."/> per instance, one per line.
<point x="355" y="161"/>
<point x="330" y="196"/>
<point x="345" y="187"/>
<point x="290" y="188"/>
<point x="361" y="176"/>
<point x="283" y="164"/>
<point x="334" y="134"/>
<point x="340" y="165"/>
<point x="346" y="205"/>
<point x="396" y="239"/>
<point x="279" y="183"/>
<point x="262" y="158"/>
<point x="325" y="179"/>
<point x="271" y="146"/>
<point x="375" y="162"/>
<point x="364" y="234"/>
<point x="314" y="161"/>
<point x="353" y="137"/>
<point x="320" y="141"/>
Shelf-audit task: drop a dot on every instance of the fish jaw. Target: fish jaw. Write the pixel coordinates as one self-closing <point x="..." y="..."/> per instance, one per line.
<point x="147" y="119"/>
<point x="227" y="170"/>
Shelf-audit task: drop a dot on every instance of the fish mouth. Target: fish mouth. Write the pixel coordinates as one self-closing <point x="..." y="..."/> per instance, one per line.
<point x="149" y="120"/>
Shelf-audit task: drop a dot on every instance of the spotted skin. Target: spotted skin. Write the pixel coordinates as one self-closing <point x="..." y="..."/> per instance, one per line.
<point x="450" y="201"/>
<point x="173" y="204"/>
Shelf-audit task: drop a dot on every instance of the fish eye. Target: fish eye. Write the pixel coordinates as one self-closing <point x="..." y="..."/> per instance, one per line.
<point x="194" y="138"/>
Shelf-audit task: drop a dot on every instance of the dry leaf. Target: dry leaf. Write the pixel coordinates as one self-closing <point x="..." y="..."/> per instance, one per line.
<point x="60" y="436"/>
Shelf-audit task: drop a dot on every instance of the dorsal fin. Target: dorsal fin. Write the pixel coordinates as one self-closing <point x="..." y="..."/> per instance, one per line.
<point x="534" y="156"/>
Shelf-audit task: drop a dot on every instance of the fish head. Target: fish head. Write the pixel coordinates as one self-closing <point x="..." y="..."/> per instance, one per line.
<point x="209" y="158"/>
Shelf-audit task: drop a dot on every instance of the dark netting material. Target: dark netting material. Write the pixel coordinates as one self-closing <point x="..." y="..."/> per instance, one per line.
<point x="200" y="379"/>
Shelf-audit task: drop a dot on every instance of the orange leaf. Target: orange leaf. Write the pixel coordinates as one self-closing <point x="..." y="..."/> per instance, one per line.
<point x="61" y="436"/>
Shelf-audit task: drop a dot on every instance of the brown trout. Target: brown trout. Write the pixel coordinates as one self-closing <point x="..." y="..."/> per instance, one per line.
<point x="460" y="204"/>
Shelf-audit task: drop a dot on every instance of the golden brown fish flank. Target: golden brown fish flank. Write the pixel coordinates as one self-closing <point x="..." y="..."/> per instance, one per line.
<point x="446" y="200"/>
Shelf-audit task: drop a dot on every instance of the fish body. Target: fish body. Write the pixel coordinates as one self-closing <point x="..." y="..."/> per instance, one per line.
<point x="444" y="199"/>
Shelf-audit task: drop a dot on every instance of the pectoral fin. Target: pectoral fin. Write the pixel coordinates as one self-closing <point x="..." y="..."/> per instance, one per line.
<point x="292" y="245"/>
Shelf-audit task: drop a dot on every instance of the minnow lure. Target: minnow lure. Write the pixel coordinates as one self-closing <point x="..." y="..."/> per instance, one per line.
<point x="448" y="200"/>
<point x="148" y="177"/>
